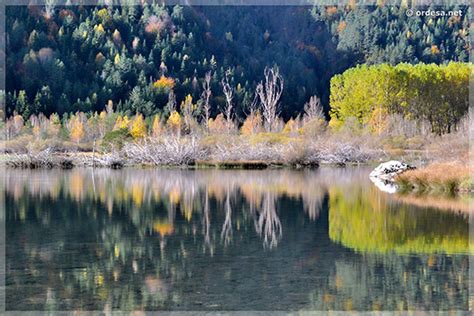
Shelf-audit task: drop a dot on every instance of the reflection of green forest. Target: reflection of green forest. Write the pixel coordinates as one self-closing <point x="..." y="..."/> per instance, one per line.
<point x="366" y="221"/>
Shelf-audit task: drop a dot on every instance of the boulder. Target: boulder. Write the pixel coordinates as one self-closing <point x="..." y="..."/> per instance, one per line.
<point x="385" y="185"/>
<point x="388" y="170"/>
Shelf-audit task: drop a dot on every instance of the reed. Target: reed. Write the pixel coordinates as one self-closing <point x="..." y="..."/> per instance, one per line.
<point x="448" y="177"/>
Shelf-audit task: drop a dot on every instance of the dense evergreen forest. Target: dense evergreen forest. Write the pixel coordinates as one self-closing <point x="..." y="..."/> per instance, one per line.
<point x="77" y="58"/>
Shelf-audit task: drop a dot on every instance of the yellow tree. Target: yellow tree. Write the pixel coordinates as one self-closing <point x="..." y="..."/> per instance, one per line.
<point x="175" y="122"/>
<point x="378" y="121"/>
<point x="54" y="124"/>
<point x="121" y="122"/>
<point x="138" y="127"/>
<point x="76" y="128"/>
<point x="189" y="109"/>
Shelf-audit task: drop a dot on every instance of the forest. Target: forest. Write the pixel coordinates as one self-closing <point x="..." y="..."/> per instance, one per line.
<point x="124" y="79"/>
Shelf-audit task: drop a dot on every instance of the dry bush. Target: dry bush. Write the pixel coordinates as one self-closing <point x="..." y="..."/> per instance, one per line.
<point x="313" y="128"/>
<point x="165" y="151"/>
<point x="112" y="160"/>
<point x="292" y="152"/>
<point x="342" y="153"/>
<point x="17" y="145"/>
<point x="38" y="159"/>
<point x="453" y="146"/>
<point x="449" y="177"/>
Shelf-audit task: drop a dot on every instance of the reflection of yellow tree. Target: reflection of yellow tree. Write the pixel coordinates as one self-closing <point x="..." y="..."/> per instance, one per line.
<point x="367" y="221"/>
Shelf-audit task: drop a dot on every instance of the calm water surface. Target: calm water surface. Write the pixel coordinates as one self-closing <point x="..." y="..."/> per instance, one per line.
<point x="229" y="240"/>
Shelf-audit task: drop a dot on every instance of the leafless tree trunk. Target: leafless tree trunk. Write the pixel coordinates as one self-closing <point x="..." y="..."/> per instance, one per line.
<point x="269" y="93"/>
<point x="229" y="94"/>
<point x="313" y="109"/>
<point x="206" y="95"/>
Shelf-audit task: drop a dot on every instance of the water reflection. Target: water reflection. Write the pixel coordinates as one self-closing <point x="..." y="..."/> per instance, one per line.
<point x="367" y="221"/>
<point x="226" y="240"/>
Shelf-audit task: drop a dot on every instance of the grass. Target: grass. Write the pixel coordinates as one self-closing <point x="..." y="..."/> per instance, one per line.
<point x="450" y="177"/>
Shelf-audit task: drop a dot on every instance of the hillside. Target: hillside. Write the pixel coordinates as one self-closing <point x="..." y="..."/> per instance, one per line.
<point x="68" y="59"/>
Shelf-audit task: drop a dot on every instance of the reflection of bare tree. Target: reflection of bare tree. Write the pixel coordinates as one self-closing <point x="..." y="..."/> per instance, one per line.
<point x="313" y="205"/>
<point x="268" y="223"/>
<point x="226" y="233"/>
<point x="207" y="223"/>
<point x="191" y="192"/>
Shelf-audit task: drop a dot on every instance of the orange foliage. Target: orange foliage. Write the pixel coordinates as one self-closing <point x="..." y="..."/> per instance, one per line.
<point x="218" y="125"/>
<point x="252" y="125"/>
<point x="164" y="84"/>
<point x="434" y="50"/>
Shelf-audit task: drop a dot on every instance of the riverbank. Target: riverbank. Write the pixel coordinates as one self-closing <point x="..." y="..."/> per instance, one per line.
<point x="50" y="160"/>
<point x="261" y="151"/>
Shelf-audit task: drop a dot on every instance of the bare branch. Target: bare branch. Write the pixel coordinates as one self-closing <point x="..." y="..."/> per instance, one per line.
<point x="313" y="109"/>
<point x="229" y="94"/>
<point x="269" y="93"/>
<point x="205" y="96"/>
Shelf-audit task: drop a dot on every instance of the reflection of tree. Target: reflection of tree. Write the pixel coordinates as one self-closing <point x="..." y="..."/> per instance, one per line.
<point x="207" y="224"/>
<point x="409" y="283"/>
<point x="226" y="233"/>
<point x="136" y="190"/>
<point x="66" y="240"/>
<point x="268" y="223"/>
<point x="365" y="220"/>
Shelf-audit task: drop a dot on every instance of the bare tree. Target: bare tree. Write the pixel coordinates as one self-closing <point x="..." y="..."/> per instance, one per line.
<point x="313" y="109"/>
<point x="205" y="96"/>
<point x="253" y="106"/>
<point x="269" y="93"/>
<point x="229" y="95"/>
<point x="171" y="105"/>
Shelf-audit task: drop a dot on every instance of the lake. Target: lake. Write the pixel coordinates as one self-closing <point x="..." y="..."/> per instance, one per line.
<point x="222" y="240"/>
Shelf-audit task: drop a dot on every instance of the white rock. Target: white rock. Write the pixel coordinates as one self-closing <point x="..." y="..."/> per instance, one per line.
<point x="388" y="170"/>
<point x="385" y="185"/>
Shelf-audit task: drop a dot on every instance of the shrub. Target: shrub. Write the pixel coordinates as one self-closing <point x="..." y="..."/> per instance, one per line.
<point x="269" y="139"/>
<point x="116" y="139"/>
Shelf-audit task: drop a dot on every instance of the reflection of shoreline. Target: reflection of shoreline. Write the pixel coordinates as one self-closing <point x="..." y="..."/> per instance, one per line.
<point x="459" y="204"/>
<point x="226" y="199"/>
<point x="375" y="222"/>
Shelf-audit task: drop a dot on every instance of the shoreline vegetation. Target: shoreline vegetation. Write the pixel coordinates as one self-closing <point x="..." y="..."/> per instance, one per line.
<point x="157" y="85"/>
<point x="441" y="178"/>
<point x="357" y="132"/>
